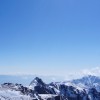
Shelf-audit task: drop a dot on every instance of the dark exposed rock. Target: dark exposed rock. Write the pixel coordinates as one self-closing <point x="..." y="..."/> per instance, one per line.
<point x="58" y="91"/>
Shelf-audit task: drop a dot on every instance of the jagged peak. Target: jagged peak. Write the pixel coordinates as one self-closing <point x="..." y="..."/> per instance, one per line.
<point x="37" y="81"/>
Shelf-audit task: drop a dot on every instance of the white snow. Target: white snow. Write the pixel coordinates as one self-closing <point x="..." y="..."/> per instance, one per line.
<point x="7" y="94"/>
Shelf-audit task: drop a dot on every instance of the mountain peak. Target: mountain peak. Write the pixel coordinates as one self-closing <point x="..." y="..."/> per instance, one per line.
<point x="37" y="81"/>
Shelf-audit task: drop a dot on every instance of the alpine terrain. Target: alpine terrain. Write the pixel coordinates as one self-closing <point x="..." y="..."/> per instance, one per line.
<point x="85" y="88"/>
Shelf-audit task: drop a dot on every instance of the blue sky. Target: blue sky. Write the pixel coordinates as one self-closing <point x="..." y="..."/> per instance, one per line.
<point x="49" y="37"/>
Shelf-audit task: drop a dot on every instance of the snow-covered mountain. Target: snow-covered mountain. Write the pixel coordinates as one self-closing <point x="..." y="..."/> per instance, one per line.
<point x="85" y="88"/>
<point x="88" y="82"/>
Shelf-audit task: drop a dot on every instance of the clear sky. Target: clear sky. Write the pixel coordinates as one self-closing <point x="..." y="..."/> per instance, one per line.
<point x="51" y="37"/>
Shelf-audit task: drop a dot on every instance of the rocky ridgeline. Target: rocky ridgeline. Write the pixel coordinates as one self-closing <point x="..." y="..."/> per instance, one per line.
<point x="80" y="89"/>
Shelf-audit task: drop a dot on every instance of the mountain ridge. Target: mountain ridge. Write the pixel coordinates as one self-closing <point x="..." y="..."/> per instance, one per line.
<point x="76" y="89"/>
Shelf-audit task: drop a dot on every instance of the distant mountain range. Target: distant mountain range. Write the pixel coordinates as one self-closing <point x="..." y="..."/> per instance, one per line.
<point x="85" y="88"/>
<point x="26" y="79"/>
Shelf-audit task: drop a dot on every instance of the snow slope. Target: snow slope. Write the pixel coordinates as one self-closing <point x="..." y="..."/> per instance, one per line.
<point x="85" y="88"/>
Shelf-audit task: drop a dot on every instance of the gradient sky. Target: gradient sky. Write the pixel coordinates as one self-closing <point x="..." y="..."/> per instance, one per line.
<point x="49" y="37"/>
